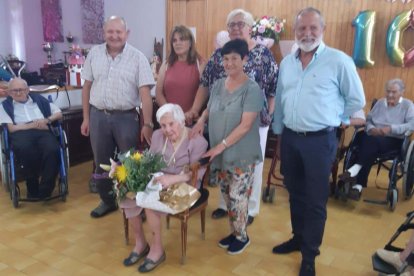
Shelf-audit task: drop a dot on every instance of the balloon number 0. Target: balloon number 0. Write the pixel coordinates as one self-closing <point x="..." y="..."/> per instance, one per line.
<point x="364" y="24"/>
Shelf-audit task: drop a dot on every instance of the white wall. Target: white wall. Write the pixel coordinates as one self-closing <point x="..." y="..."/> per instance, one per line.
<point x="146" y="20"/>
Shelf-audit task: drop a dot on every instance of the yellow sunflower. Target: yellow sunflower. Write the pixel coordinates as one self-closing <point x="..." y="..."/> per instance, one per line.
<point x="121" y="173"/>
<point x="136" y="156"/>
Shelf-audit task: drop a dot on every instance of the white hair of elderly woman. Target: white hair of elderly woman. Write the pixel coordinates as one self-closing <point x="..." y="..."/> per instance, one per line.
<point x="175" y="110"/>
<point x="247" y="16"/>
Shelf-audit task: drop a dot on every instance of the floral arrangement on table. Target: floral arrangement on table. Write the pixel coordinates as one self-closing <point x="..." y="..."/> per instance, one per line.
<point x="133" y="171"/>
<point x="268" y="27"/>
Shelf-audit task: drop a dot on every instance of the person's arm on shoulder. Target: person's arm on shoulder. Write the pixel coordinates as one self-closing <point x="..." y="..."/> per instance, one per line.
<point x="202" y="91"/>
<point x="159" y="88"/>
<point x="86" y="93"/>
<point x="146" y="100"/>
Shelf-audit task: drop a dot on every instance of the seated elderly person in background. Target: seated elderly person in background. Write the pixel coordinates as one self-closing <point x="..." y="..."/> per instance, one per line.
<point x="178" y="152"/>
<point x="387" y="122"/>
<point x="28" y="117"/>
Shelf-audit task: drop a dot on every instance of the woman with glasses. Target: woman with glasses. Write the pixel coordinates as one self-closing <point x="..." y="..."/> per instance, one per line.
<point x="178" y="152"/>
<point x="260" y="67"/>
<point x="233" y="127"/>
<point x="179" y="76"/>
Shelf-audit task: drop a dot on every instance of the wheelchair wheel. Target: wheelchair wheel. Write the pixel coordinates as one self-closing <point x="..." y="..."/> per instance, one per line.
<point x="392" y="199"/>
<point x="408" y="179"/>
<point x="63" y="180"/>
<point x="15" y="194"/>
<point x="272" y="194"/>
<point x="268" y="194"/>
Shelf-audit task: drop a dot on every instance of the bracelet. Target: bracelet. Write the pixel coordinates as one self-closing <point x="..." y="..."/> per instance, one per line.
<point x="224" y="143"/>
<point x="150" y="125"/>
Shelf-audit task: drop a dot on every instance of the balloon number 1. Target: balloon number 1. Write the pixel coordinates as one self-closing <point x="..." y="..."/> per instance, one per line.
<point x="364" y="25"/>
<point x="364" y="39"/>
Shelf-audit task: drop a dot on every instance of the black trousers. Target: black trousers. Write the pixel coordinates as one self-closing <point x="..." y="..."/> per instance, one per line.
<point x="306" y="163"/>
<point x="110" y="131"/>
<point x="370" y="147"/>
<point x="38" y="152"/>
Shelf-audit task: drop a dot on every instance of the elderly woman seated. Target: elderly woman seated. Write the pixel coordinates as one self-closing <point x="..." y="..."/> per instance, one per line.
<point x="387" y="122"/>
<point x="178" y="151"/>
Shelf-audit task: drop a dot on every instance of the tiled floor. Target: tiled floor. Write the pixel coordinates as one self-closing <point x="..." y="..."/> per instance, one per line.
<point x="59" y="238"/>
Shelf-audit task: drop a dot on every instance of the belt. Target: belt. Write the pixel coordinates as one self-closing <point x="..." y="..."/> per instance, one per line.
<point x="115" y="111"/>
<point x="312" y="133"/>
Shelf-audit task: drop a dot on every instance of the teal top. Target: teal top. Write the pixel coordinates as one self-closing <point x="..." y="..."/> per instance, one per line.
<point x="225" y="113"/>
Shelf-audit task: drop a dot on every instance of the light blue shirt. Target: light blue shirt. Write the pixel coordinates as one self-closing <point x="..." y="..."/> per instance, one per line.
<point x="322" y="95"/>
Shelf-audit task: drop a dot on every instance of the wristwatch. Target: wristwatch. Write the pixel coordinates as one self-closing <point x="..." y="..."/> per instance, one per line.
<point x="49" y="121"/>
<point x="150" y="125"/>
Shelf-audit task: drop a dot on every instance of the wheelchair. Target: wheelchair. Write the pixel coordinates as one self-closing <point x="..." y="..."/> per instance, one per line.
<point x="382" y="267"/>
<point x="402" y="166"/>
<point x="12" y="172"/>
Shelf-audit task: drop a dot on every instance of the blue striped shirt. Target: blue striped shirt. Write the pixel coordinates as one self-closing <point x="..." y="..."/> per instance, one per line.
<point x="327" y="91"/>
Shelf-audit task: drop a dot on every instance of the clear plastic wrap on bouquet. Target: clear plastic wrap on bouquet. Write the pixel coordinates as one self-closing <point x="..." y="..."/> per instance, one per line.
<point x="175" y="199"/>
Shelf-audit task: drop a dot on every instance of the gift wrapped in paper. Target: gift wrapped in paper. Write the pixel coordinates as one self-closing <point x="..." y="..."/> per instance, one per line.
<point x="175" y="199"/>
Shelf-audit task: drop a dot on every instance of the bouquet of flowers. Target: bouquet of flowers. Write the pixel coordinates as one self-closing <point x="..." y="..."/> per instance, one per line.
<point x="133" y="172"/>
<point x="268" y="27"/>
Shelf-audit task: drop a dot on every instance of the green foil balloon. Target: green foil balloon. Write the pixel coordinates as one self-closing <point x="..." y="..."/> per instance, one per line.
<point x="364" y="24"/>
<point x="394" y="48"/>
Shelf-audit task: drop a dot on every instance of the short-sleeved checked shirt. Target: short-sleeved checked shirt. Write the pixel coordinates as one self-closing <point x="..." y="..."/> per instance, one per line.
<point x="115" y="82"/>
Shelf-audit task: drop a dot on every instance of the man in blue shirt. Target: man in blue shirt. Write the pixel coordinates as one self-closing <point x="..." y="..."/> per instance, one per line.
<point x="318" y="87"/>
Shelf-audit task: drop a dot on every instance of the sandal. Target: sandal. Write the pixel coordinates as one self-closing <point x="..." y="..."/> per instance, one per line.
<point x="134" y="257"/>
<point x="149" y="264"/>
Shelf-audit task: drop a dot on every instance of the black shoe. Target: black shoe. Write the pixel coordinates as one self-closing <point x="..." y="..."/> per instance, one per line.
<point x="354" y="194"/>
<point x="287" y="247"/>
<point x="346" y="177"/>
<point x="149" y="264"/>
<point x="103" y="209"/>
<point x="307" y="269"/>
<point x="250" y="220"/>
<point x="238" y="246"/>
<point x="134" y="257"/>
<point x="219" y="213"/>
<point x="225" y="243"/>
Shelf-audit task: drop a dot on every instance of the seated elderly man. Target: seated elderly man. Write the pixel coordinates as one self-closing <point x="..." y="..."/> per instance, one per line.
<point x="28" y="117"/>
<point x="386" y="124"/>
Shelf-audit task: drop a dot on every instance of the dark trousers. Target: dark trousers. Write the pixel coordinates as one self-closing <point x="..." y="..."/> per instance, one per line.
<point x="370" y="147"/>
<point x="110" y="131"/>
<point x="306" y="163"/>
<point x="38" y="152"/>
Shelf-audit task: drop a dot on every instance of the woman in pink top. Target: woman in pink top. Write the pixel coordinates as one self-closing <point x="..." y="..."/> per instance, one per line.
<point x="179" y="76"/>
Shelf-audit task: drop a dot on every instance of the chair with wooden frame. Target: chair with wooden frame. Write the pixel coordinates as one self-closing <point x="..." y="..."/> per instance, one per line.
<point x="199" y="207"/>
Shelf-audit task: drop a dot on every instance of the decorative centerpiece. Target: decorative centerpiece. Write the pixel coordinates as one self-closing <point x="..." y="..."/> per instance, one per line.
<point x="47" y="48"/>
<point x="267" y="30"/>
<point x="75" y="66"/>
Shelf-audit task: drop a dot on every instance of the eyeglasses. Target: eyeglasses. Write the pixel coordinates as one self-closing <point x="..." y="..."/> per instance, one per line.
<point x="17" y="90"/>
<point x="239" y="25"/>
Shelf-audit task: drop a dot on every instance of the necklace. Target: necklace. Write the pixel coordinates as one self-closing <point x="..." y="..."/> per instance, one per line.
<point x="172" y="158"/>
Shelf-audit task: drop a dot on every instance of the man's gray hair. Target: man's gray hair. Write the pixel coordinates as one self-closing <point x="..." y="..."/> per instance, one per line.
<point x="115" y="17"/>
<point x="17" y="80"/>
<point x="310" y="10"/>
<point x="247" y="16"/>
<point x="175" y="110"/>
<point x="398" y="82"/>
